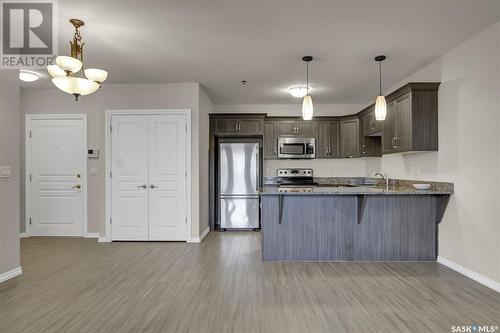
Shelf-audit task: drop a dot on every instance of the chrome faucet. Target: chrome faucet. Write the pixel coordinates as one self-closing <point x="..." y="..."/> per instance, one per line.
<point x="384" y="177"/>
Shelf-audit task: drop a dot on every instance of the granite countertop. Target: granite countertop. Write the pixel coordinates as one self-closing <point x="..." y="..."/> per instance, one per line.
<point x="358" y="186"/>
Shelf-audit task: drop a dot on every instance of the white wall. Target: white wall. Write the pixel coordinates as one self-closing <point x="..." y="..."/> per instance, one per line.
<point x="120" y="97"/>
<point x="10" y="155"/>
<point x="469" y="152"/>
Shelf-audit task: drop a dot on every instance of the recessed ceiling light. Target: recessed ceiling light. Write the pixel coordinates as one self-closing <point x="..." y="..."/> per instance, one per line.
<point x="298" y="92"/>
<point x="28" y="76"/>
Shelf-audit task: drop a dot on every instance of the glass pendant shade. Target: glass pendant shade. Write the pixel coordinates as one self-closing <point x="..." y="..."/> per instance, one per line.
<point x="298" y="92"/>
<point x="75" y="85"/>
<point x="307" y="108"/>
<point x="380" y="108"/>
<point x="28" y="76"/>
<point x="69" y="64"/>
<point x="96" y="75"/>
<point x="55" y="71"/>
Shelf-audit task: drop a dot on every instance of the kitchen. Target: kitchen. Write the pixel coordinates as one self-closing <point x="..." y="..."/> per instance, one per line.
<point x="408" y="232"/>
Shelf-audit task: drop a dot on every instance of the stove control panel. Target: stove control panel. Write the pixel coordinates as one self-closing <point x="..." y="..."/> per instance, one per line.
<point x="294" y="172"/>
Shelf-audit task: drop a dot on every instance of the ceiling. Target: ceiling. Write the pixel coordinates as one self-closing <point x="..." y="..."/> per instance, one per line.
<point x="221" y="42"/>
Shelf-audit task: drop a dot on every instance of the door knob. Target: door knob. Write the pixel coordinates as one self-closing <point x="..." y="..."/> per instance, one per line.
<point x="153" y="186"/>
<point x="142" y="186"/>
<point x="78" y="175"/>
<point x="76" y="186"/>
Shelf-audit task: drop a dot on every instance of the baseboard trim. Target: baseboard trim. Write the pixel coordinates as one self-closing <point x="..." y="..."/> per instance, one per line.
<point x="10" y="274"/>
<point x="202" y="236"/>
<point x="470" y="273"/>
<point x="92" y="235"/>
<point x="24" y="235"/>
<point x="102" y="240"/>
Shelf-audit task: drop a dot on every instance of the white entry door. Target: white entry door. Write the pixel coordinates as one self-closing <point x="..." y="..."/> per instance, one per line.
<point x="56" y="175"/>
<point x="129" y="181"/>
<point x="149" y="198"/>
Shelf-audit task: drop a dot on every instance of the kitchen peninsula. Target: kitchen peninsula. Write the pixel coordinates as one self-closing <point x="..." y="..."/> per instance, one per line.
<point x="347" y="220"/>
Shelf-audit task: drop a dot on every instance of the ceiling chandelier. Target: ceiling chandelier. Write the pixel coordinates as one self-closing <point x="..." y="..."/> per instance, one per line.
<point x="307" y="103"/>
<point x="67" y="74"/>
<point x="380" y="105"/>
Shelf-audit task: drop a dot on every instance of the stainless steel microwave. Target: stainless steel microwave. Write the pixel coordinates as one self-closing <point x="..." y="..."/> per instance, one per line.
<point x="296" y="148"/>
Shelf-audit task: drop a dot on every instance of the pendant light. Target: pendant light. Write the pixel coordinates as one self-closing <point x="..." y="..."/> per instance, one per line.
<point x="307" y="103"/>
<point x="380" y="105"/>
<point x="65" y="73"/>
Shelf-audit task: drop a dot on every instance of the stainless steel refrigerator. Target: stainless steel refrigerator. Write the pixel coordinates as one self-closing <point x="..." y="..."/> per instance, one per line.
<point x="239" y="174"/>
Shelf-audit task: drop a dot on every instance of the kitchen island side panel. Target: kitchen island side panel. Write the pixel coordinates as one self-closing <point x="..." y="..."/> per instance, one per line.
<point x="325" y="228"/>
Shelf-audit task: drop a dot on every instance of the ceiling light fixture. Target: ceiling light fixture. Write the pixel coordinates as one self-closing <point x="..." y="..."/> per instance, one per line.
<point x="380" y="105"/>
<point x="298" y="92"/>
<point x="65" y="73"/>
<point x="307" y="103"/>
<point x="28" y="76"/>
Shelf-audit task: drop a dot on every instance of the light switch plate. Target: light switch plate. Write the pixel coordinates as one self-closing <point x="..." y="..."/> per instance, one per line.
<point x="5" y="172"/>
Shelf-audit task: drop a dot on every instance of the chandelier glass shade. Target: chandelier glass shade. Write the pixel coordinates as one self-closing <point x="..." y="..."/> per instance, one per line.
<point x="298" y="92"/>
<point x="67" y="73"/>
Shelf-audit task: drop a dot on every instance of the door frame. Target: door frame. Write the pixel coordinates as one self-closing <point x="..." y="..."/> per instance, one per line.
<point x="107" y="130"/>
<point x="27" y="165"/>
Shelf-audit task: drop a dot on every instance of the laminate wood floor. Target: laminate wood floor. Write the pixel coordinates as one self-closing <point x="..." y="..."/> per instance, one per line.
<point x="221" y="285"/>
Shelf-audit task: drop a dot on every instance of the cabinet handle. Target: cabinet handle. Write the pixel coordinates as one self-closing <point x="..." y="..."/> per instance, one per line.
<point x="363" y="149"/>
<point x="394" y="145"/>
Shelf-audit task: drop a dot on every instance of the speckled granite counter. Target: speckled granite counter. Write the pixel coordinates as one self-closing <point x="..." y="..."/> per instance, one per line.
<point x="362" y="186"/>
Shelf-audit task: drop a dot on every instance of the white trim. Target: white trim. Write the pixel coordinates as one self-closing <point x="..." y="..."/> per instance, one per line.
<point x="107" y="125"/>
<point x="102" y="240"/>
<point x="10" y="274"/>
<point x="470" y="273"/>
<point x="92" y="235"/>
<point x="202" y="236"/>
<point x="24" y="235"/>
<point x="27" y="164"/>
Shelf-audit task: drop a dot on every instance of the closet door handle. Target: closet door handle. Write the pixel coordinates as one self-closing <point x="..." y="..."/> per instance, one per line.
<point x="144" y="186"/>
<point x="153" y="186"/>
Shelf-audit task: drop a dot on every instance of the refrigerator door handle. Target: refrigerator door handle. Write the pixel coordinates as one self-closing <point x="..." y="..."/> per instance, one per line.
<point x="257" y="180"/>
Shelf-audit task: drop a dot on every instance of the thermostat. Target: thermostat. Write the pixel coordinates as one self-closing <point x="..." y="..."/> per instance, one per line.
<point x="93" y="153"/>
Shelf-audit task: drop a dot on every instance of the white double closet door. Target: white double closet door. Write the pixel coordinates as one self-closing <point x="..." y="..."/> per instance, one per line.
<point x="148" y="180"/>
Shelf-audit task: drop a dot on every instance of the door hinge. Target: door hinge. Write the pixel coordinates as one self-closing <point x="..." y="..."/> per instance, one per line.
<point x="111" y="128"/>
<point x="110" y="174"/>
<point x="186" y="220"/>
<point x="185" y="174"/>
<point x="30" y="220"/>
<point x="30" y="134"/>
<point x="110" y="220"/>
<point x="186" y="128"/>
<point x="30" y="176"/>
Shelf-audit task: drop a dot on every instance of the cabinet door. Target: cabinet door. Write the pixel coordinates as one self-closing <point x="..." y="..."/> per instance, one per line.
<point x="389" y="134"/>
<point x="350" y="138"/>
<point x="323" y="146"/>
<point x="225" y="126"/>
<point x="249" y="126"/>
<point x="335" y="139"/>
<point x="287" y="128"/>
<point x="305" y="128"/>
<point x="270" y="140"/>
<point x="403" y="123"/>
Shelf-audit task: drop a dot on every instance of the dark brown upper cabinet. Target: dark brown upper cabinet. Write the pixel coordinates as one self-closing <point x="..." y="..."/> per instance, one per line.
<point x="327" y="139"/>
<point x="369" y="140"/>
<point x="270" y="140"/>
<point x="349" y="138"/>
<point x="369" y="124"/>
<point x="411" y="123"/>
<point x="300" y="128"/>
<point x="244" y="125"/>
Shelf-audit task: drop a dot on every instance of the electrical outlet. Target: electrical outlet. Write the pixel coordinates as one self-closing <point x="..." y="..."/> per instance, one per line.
<point x="5" y="172"/>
